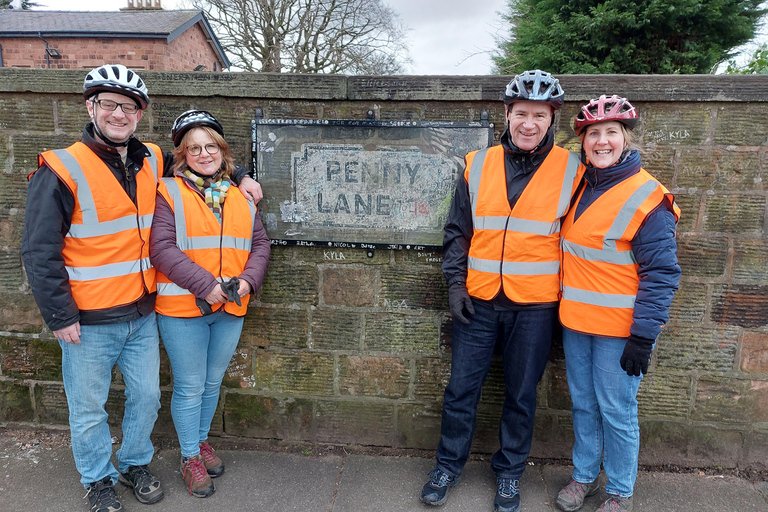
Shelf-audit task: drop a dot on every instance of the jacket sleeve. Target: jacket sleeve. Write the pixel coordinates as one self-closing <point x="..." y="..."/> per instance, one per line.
<point x="47" y="219"/>
<point x="458" y="235"/>
<point x="655" y="250"/>
<point x="258" y="259"/>
<point x="167" y="258"/>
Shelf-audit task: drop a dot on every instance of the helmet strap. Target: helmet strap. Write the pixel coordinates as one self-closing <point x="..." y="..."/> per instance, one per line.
<point x="108" y="141"/>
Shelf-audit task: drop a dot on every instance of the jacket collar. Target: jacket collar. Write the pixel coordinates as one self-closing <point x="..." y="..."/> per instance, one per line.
<point x="137" y="151"/>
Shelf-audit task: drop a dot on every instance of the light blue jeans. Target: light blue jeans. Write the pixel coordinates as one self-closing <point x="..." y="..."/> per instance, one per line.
<point x="87" y="373"/>
<point x="604" y="411"/>
<point x="200" y="350"/>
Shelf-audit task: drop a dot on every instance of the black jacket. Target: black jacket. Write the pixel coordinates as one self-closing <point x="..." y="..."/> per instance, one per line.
<point x="48" y="216"/>
<point x="519" y="167"/>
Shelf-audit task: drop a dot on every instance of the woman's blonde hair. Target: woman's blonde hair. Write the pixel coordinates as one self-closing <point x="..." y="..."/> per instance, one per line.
<point x="180" y="156"/>
<point x="629" y="142"/>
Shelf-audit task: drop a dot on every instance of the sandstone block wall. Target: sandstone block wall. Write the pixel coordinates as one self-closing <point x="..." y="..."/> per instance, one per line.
<point x="340" y="347"/>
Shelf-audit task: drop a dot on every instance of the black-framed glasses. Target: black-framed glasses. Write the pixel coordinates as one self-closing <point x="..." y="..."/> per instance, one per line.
<point x="211" y="149"/>
<point x="127" y="108"/>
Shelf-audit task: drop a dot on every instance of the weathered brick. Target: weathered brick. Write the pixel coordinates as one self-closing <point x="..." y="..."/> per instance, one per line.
<point x="664" y="442"/>
<point x="689" y="304"/>
<point x="27" y="358"/>
<point x="414" y="287"/>
<point x="166" y="375"/>
<point x="365" y="423"/>
<point x="15" y="401"/>
<point x="300" y="373"/>
<point x="731" y="400"/>
<point x="742" y="305"/>
<point x="671" y="124"/>
<point x="703" y="256"/>
<point x="271" y="327"/>
<point x="733" y="213"/>
<point x="333" y="254"/>
<point x="288" y="284"/>
<point x="431" y="378"/>
<point x="431" y="257"/>
<point x="739" y="124"/>
<point x="552" y="436"/>
<point x="690" y="204"/>
<point x="738" y="168"/>
<point x="350" y="286"/>
<point x="27" y="147"/>
<point x="266" y="417"/>
<point x="386" y="377"/>
<point x="397" y="333"/>
<point x="556" y="393"/>
<point x="239" y="373"/>
<point x="51" y="403"/>
<point x="660" y="162"/>
<point x="704" y="349"/>
<point x="164" y="424"/>
<point x="755" y="450"/>
<point x="29" y="112"/>
<point x="334" y="329"/>
<point x="664" y="394"/>
<point x="19" y="313"/>
<point x="754" y="352"/>
<point x="418" y="426"/>
<point x="750" y="260"/>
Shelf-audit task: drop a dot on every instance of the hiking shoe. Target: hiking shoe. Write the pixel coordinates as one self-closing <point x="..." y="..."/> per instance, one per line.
<point x="101" y="496"/>
<point x="196" y="477"/>
<point x="507" y="495"/>
<point x="211" y="461"/>
<point x="435" y="492"/>
<point x="146" y="487"/>
<point x="571" y="497"/>
<point x="616" y="503"/>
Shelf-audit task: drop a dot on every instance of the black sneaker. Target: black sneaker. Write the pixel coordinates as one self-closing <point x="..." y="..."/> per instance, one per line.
<point x="101" y="496"/>
<point x="435" y="492"/>
<point x="146" y="487"/>
<point x="507" y="495"/>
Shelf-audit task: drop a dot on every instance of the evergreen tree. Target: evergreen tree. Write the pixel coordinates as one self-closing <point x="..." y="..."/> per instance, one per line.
<point x="625" y="36"/>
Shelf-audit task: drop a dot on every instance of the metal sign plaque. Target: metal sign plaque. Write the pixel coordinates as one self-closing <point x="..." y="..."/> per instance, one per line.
<point x="360" y="183"/>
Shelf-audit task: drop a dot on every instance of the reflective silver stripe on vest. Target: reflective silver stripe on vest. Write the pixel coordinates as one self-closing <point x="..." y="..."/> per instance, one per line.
<point x="109" y="270"/>
<point x="475" y="172"/>
<point x="512" y="268"/>
<point x="627" y="213"/>
<point x="600" y="255"/>
<point x="185" y="242"/>
<point x="109" y="227"/>
<point x="606" y="300"/>
<point x="566" y="192"/>
<point x="171" y="289"/>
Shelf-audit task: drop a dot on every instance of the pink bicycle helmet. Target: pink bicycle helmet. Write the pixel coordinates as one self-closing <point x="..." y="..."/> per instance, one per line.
<point x="605" y="108"/>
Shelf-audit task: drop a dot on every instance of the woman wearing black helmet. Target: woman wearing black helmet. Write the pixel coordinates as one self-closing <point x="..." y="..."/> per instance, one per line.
<point x="619" y="275"/>
<point x="211" y="252"/>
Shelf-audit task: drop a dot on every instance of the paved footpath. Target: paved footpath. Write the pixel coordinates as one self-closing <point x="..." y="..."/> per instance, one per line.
<point x="37" y="475"/>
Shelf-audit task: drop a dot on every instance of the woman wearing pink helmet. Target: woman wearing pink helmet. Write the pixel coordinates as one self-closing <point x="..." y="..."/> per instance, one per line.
<point x="619" y="275"/>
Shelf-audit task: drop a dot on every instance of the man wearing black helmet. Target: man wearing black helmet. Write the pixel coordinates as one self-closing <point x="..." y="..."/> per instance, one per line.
<point x="85" y="248"/>
<point x="501" y="259"/>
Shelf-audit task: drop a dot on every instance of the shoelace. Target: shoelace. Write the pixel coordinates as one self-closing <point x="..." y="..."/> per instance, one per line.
<point x="143" y="477"/>
<point x="575" y="488"/>
<point x="508" y="487"/>
<point x="614" y="504"/>
<point x="207" y="453"/>
<point x="197" y="468"/>
<point x="439" y="478"/>
<point x="104" y="498"/>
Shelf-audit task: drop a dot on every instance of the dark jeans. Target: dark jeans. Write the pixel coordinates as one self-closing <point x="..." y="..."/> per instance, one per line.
<point x="525" y="338"/>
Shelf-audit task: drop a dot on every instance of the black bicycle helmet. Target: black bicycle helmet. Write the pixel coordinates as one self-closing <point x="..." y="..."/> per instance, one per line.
<point x="535" y="85"/>
<point x="118" y="79"/>
<point x="193" y="119"/>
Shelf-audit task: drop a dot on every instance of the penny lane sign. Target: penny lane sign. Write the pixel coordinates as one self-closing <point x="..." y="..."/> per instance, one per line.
<point x="366" y="184"/>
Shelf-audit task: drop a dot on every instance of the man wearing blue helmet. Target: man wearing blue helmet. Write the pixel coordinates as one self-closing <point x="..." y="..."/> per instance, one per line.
<point x="501" y="259"/>
<point x="85" y="248"/>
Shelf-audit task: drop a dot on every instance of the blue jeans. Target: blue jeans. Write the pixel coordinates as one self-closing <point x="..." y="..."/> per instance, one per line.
<point x="200" y="350"/>
<point x="87" y="373"/>
<point x="525" y="337"/>
<point x="604" y="411"/>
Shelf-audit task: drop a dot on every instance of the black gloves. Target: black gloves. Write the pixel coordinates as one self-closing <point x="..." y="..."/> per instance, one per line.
<point x="636" y="356"/>
<point x="231" y="288"/>
<point x="458" y="300"/>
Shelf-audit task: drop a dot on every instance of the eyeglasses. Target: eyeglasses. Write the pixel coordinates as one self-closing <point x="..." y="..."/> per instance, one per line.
<point x="127" y="108"/>
<point x="211" y="149"/>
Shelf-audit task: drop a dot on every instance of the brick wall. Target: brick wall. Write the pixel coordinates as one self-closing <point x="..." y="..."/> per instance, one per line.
<point x="183" y="53"/>
<point x="340" y="347"/>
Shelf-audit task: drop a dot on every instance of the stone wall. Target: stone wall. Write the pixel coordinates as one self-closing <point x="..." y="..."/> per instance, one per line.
<point x="340" y="347"/>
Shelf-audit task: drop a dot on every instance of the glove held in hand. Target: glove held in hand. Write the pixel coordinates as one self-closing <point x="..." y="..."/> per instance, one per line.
<point x="636" y="356"/>
<point x="458" y="300"/>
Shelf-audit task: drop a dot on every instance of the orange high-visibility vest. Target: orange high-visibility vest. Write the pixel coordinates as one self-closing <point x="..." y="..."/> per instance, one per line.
<point x="518" y="246"/>
<point x="220" y="248"/>
<point x="600" y="278"/>
<point x="106" y="250"/>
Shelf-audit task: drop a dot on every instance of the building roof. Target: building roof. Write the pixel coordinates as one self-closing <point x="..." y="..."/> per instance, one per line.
<point x="150" y="23"/>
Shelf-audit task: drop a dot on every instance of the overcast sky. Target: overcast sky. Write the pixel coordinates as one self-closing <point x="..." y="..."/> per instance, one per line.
<point x="447" y="37"/>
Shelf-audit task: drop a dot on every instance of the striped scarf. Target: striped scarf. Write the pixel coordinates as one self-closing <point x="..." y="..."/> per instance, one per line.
<point x="214" y="191"/>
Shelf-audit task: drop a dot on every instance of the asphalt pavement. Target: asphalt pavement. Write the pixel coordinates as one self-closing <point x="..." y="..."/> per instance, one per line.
<point x="37" y="474"/>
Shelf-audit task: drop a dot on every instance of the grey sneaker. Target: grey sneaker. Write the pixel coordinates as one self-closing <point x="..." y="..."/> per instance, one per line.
<point x="146" y="487"/>
<point x="571" y="497"/>
<point x="435" y="492"/>
<point x="616" y="503"/>
<point x="102" y="498"/>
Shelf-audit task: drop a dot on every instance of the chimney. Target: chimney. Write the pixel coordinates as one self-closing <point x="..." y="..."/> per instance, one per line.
<point x="143" y="5"/>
